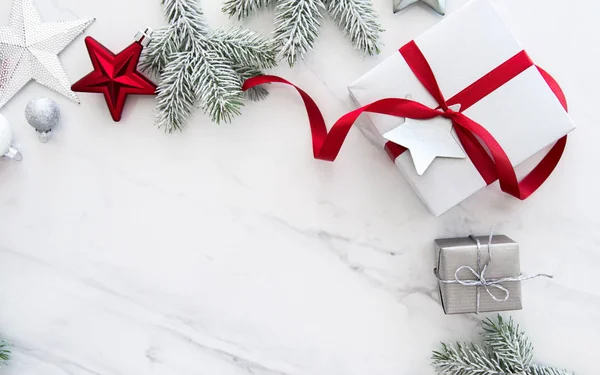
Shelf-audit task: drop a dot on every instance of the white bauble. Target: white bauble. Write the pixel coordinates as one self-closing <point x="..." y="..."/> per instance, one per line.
<point x="5" y="136"/>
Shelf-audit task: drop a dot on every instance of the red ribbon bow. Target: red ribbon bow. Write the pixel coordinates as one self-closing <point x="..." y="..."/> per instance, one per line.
<point x="474" y="138"/>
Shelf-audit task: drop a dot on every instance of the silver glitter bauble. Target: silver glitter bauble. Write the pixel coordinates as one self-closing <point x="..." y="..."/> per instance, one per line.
<point x="43" y="114"/>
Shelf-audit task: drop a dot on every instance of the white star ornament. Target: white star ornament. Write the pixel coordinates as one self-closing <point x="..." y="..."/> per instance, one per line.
<point x="437" y="5"/>
<point x="427" y="140"/>
<point x="29" y="50"/>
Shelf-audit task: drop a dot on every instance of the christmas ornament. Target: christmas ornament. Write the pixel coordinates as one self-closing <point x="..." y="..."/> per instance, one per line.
<point x="116" y="76"/>
<point x="506" y="351"/>
<point x="427" y="140"/>
<point x="202" y="66"/>
<point x="6" y="148"/>
<point x="43" y="115"/>
<point x="297" y="22"/>
<point x="437" y="5"/>
<point x="29" y="49"/>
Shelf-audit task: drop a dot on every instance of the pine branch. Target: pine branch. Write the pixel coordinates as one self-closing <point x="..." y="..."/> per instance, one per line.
<point x="156" y="56"/>
<point x="296" y="27"/>
<point x="243" y="47"/>
<point x="246" y="72"/>
<point x="464" y="359"/>
<point x="359" y="21"/>
<point x="507" y="352"/>
<point x="187" y="11"/>
<point x="506" y="341"/>
<point x="176" y="93"/>
<point x="4" y="351"/>
<point x="545" y="370"/>
<point x="202" y="67"/>
<point x="297" y="23"/>
<point x="187" y="21"/>
<point x="242" y="8"/>
<point x="219" y="87"/>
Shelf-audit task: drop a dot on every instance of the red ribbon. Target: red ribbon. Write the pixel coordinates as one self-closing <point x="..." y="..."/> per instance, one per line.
<point x="493" y="165"/>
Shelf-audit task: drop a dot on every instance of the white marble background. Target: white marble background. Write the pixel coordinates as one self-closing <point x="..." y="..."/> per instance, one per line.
<point x="229" y="250"/>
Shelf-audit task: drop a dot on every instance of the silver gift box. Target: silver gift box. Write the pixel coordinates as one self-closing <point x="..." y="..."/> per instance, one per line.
<point x="454" y="253"/>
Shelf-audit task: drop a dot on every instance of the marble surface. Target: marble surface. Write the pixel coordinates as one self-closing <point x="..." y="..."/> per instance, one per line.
<point x="229" y="250"/>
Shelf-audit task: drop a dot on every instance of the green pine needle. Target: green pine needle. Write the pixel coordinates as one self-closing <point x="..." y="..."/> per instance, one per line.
<point x="243" y="8"/>
<point x="246" y="72"/>
<point x="176" y="94"/>
<point x="359" y="21"/>
<point x="243" y="47"/>
<point x="544" y="370"/>
<point x="297" y="23"/>
<point x="219" y="86"/>
<point x="185" y="11"/>
<point x="506" y="341"/>
<point x="157" y="57"/>
<point x="4" y="352"/>
<point x="465" y="359"/>
<point x="506" y="351"/>
<point x="204" y="68"/>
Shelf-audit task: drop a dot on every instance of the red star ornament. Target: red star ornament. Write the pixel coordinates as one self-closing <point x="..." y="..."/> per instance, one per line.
<point x="115" y="76"/>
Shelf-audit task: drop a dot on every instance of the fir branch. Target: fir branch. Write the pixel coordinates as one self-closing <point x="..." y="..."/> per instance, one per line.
<point x="506" y="341"/>
<point x="246" y="72"/>
<point x="219" y="87"/>
<point x="204" y="68"/>
<point x="297" y="24"/>
<point x="243" y="47"/>
<point x="545" y="370"/>
<point x="186" y="20"/>
<point x="506" y="352"/>
<point x="176" y="93"/>
<point x="187" y="11"/>
<point x="242" y="8"/>
<point x="201" y="77"/>
<point x="156" y="56"/>
<point x="359" y="21"/>
<point x="464" y="359"/>
<point x="4" y="351"/>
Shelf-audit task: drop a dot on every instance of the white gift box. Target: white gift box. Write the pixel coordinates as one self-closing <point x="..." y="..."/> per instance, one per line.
<point x="524" y="115"/>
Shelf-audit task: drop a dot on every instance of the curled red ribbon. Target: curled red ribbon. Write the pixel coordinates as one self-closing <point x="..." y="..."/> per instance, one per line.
<point x="474" y="138"/>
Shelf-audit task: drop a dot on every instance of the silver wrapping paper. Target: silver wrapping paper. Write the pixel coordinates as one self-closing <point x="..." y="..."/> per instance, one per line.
<point x="453" y="253"/>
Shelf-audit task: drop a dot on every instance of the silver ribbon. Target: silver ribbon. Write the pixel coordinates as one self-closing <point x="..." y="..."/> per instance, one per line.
<point x="480" y="280"/>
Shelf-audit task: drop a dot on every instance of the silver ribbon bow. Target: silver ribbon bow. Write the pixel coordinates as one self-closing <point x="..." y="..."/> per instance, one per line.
<point x="481" y="281"/>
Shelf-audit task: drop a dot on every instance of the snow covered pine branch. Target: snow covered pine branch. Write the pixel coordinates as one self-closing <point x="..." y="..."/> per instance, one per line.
<point x="297" y="22"/>
<point x="204" y="67"/>
<point x="506" y="351"/>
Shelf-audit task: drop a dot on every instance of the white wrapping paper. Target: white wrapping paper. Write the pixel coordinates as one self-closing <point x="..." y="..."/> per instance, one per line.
<point x="523" y="115"/>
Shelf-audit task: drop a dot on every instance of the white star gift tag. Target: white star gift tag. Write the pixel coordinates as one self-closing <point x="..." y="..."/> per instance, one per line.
<point x="437" y="5"/>
<point x="427" y="140"/>
<point x="29" y="50"/>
